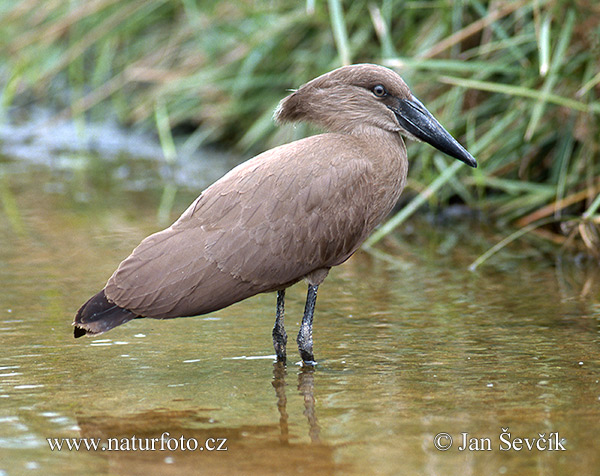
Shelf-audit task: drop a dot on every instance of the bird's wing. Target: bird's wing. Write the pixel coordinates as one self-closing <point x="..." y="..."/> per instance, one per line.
<point x="264" y="225"/>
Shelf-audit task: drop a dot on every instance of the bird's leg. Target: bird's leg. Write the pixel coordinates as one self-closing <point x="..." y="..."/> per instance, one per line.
<point x="305" y="342"/>
<point x="279" y="335"/>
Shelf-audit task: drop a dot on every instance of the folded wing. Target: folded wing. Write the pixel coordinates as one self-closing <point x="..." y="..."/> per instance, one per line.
<point x="263" y="226"/>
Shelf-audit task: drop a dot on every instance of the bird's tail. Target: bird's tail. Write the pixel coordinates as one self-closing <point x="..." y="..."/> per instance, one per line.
<point x="99" y="315"/>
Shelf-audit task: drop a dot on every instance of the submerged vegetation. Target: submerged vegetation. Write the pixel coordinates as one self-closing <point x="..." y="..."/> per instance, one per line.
<point x="517" y="82"/>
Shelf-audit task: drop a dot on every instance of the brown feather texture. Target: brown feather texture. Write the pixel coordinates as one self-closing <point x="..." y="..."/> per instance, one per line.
<point x="290" y="213"/>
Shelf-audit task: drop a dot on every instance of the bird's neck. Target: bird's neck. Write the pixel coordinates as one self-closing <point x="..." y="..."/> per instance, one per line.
<point x="385" y="146"/>
<point x="387" y="154"/>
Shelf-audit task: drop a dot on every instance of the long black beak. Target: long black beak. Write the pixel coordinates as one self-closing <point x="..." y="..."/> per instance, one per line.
<point x="420" y="123"/>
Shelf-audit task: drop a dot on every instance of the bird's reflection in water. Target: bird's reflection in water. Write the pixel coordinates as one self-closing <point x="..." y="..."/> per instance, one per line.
<point x="306" y="388"/>
<point x="251" y="448"/>
<point x="279" y="371"/>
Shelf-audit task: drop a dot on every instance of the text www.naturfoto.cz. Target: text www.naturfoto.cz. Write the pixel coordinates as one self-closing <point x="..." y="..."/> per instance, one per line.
<point x="133" y="443"/>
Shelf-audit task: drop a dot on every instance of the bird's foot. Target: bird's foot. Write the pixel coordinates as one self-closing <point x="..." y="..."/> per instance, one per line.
<point x="308" y="359"/>
<point x="281" y="355"/>
<point x="279" y="343"/>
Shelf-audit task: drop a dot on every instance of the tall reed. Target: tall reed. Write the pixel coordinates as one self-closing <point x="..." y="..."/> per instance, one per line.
<point x="517" y="81"/>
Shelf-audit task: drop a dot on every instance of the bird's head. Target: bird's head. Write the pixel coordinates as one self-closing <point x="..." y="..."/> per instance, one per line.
<point x="355" y="98"/>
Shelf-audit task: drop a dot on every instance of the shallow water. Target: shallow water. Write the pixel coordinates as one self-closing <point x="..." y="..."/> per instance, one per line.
<point x="407" y="349"/>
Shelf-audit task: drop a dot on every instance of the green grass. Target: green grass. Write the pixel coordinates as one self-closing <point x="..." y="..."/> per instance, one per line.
<point x="516" y="82"/>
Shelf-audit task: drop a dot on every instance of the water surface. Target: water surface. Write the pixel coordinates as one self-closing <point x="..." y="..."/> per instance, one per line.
<point x="408" y="348"/>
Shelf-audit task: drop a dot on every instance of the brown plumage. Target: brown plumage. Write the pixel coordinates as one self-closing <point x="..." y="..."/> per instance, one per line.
<point x="290" y="213"/>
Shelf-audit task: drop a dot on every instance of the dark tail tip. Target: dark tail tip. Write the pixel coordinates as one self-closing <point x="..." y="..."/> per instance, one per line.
<point x="99" y="315"/>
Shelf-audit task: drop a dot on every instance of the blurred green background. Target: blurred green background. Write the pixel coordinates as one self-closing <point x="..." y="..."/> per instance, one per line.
<point x="517" y="82"/>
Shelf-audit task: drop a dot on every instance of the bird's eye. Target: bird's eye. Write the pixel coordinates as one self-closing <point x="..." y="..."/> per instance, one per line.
<point x="379" y="91"/>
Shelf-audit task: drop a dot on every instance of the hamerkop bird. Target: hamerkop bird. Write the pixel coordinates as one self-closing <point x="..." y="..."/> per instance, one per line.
<point x="291" y="213"/>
